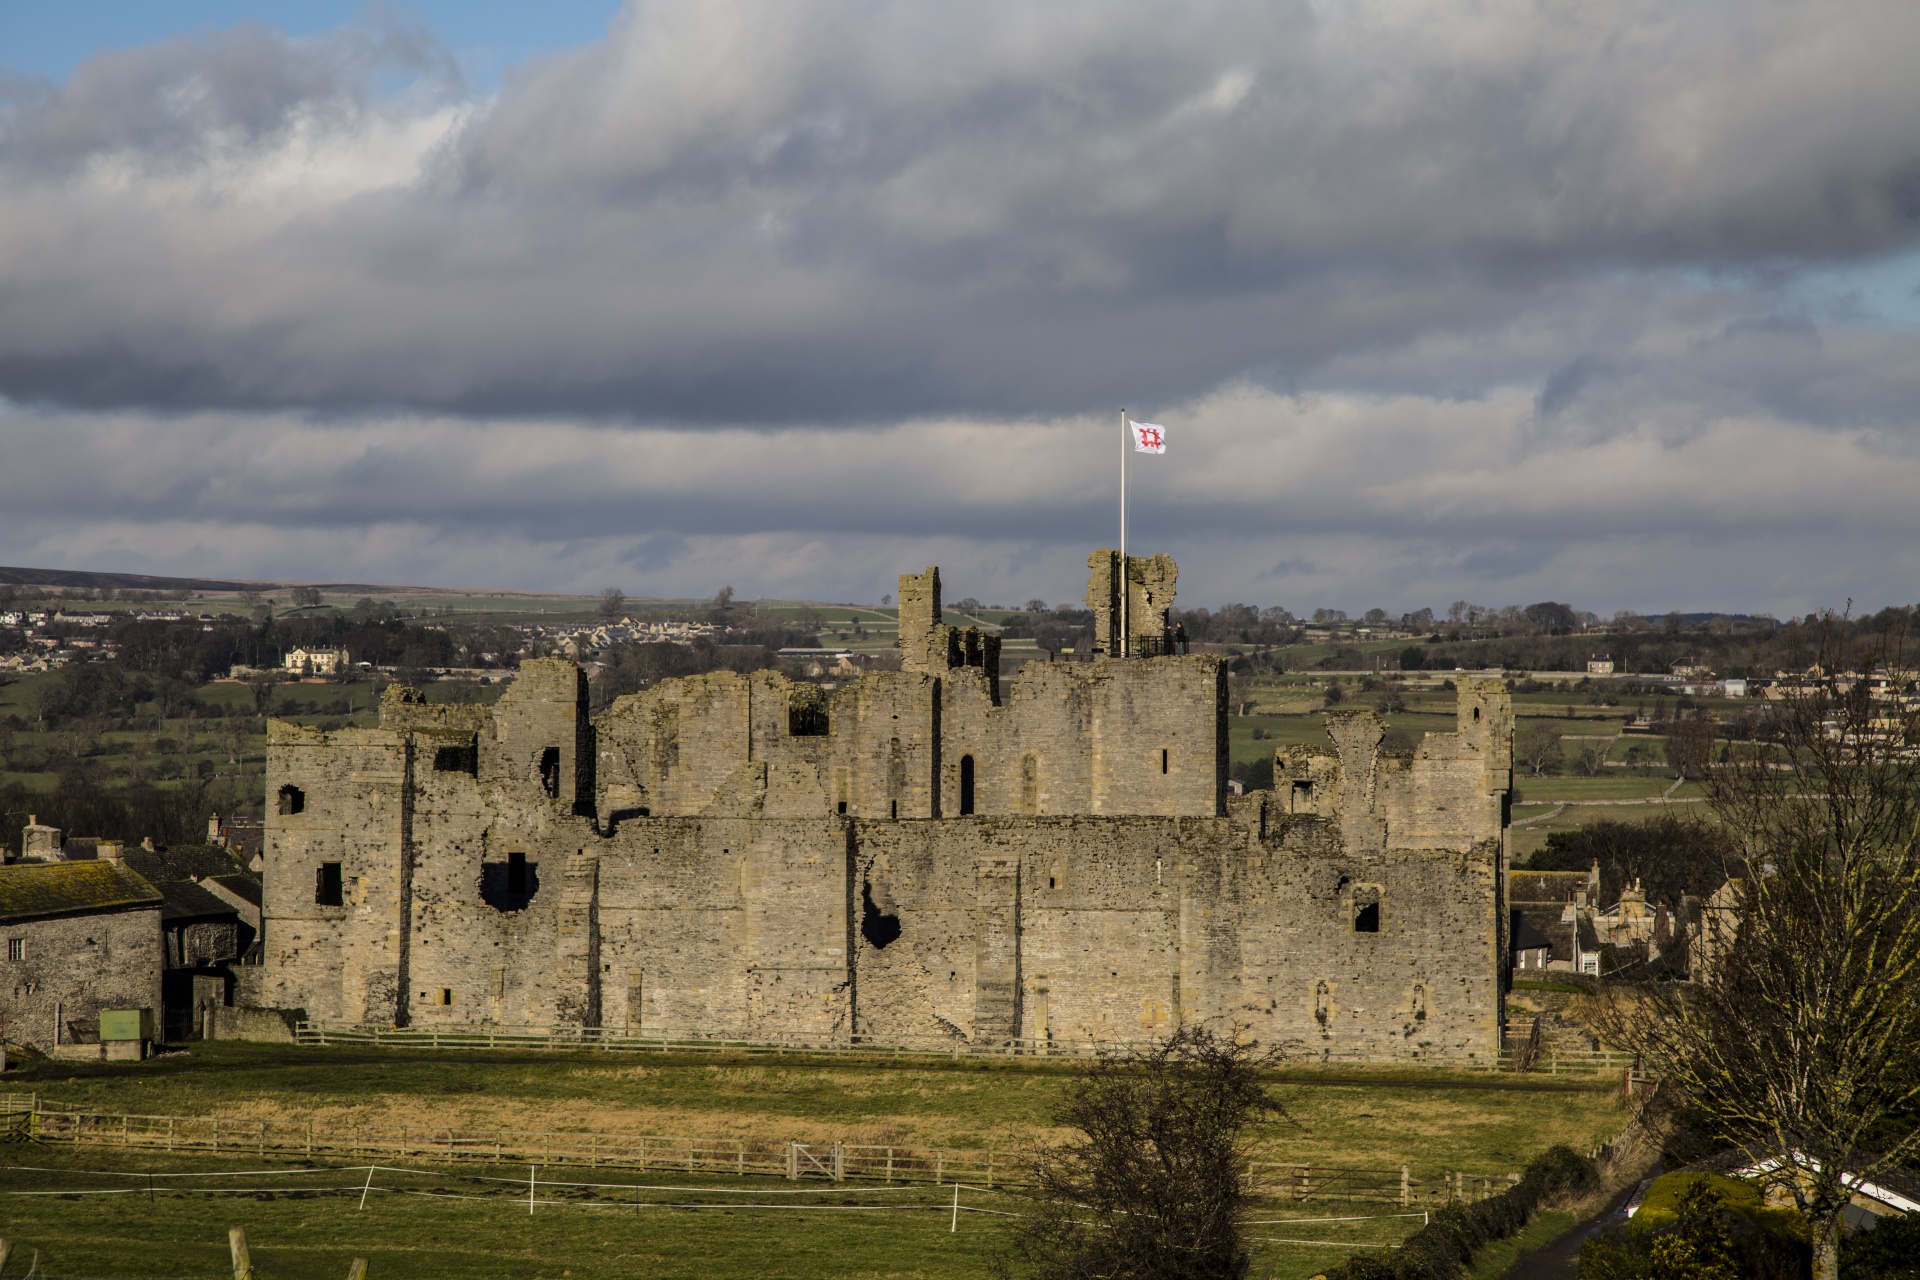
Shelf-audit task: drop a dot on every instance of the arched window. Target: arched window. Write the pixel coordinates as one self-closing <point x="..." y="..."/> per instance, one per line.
<point x="966" y="785"/>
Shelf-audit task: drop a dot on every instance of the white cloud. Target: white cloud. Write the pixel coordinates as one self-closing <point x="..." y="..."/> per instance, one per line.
<point x="1504" y="301"/>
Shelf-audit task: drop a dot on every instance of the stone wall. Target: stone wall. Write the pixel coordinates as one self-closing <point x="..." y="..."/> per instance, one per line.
<point x="75" y="966"/>
<point x="927" y="861"/>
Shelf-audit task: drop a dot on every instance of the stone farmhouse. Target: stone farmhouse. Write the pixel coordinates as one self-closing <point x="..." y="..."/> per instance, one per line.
<point x="931" y="856"/>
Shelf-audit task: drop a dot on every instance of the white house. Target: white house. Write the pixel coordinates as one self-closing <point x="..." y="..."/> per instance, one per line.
<point x="317" y="662"/>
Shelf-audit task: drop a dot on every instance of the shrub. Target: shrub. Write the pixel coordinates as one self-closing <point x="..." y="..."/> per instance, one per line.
<point x="1443" y="1249"/>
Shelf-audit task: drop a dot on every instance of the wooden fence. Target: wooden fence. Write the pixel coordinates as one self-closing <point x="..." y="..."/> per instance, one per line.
<point x="835" y="1161"/>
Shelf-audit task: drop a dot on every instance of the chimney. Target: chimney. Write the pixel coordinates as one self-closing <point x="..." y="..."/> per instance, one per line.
<point x="108" y="851"/>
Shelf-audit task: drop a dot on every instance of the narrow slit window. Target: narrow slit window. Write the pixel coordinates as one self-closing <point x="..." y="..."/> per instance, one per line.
<point x="446" y="995"/>
<point x="1163" y="759"/>
<point x="326" y="885"/>
<point x="966" y="785"/>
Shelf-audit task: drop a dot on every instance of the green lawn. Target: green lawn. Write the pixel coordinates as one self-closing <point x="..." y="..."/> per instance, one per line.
<point x="1614" y="784"/>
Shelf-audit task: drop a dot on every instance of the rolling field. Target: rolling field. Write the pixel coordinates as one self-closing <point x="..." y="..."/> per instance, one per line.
<point x="456" y="1222"/>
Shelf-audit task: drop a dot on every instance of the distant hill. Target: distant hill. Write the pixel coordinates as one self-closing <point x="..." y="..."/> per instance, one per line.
<point x="17" y="577"/>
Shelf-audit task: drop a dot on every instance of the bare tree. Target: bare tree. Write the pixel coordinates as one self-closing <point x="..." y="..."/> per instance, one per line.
<point x="723" y="598"/>
<point x="1689" y="747"/>
<point x="1799" y="1043"/>
<point x="613" y="601"/>
<point x="1541" y="751"/>
<point x="1589" y="760"/>
<point x="1155" y="1187"/>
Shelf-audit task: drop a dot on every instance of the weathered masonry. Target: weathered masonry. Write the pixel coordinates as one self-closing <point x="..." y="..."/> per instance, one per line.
<point x="926" y="856"/>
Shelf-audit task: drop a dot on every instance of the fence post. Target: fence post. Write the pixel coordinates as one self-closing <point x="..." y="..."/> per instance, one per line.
<point x="793" y="1162"/>
<point x="1403" y="1187"/>
<point x="242" y="1257"/>
<point x="839" y="1163"/>
<point x="358" y="1269"/>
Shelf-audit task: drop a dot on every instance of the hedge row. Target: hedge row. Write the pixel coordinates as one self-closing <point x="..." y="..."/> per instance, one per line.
<point x="1444" y="1248"/>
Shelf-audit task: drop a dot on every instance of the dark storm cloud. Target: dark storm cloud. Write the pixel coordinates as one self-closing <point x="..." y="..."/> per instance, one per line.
<point x="752" y="210"/>
<point x="1510" y="302"/>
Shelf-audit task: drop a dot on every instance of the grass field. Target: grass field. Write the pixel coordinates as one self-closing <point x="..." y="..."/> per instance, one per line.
<point x="1431" y="1120"/>
<point x="1434" y="1121"/>
<point x="412" y="1224"/>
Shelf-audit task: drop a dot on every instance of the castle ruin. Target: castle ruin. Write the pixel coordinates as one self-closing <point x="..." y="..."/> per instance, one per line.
<point x="925" y="857"/>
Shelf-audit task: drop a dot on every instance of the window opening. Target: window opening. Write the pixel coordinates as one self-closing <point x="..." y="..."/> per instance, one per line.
<point x="843" y="806"/>
<point x="446" y="995"/>
<point x="16" y="948"/>
<point x="1476" y="713"/>
<point x="895" y="807"/>
<point x="1302" y="793"/>
<point x="457" y="759"/>
<point x="806" y="713"/>
<point x="292" y="800"/>
<point x="509" y="885"/>
<point x="326" y="885"/>
<point x="1366" y="911"/>
<point x="876" y="926"/>
<point x="550" y="772"/>
<point x="966" y="785"/>
<point x="1163" y="759"/>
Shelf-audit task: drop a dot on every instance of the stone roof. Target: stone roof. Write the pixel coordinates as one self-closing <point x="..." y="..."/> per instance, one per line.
<point x="186" y="901"/>
<point x="241" y="886"/>
<point x="1526" y="937"/>
<point x="182" y="862"/>
<point x="30" y="891"/>
<point x="1545" y="886"/>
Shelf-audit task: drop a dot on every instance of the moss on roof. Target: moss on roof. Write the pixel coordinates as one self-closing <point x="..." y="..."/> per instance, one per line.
<point x="32" y="891"/>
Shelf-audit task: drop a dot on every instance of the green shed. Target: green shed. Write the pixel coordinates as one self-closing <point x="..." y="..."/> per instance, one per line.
<point x="126" y="1024"/>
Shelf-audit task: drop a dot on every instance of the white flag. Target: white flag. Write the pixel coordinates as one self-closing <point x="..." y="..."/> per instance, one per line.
<point x="1148" y="437"/>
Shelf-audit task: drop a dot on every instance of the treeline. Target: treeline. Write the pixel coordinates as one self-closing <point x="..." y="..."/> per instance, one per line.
<point x="1054" y="630"/>
<point x="629" y="668"/>
<point x="1755" y="652"/>
<point x="1238" y="624"/>
<point x="81" y="807"/>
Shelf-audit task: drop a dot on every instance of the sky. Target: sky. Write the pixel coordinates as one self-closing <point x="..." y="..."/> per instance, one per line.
<point x="1616" y="305"/>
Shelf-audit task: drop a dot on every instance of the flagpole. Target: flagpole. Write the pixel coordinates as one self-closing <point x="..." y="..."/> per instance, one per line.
<point x="1126" y="588"/>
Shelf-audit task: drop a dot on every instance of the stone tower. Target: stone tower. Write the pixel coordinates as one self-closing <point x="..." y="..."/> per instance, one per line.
<point x="1135" y="623"/>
